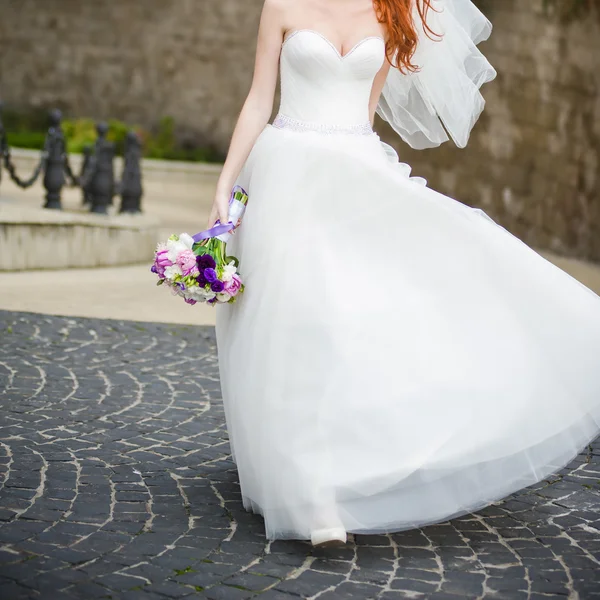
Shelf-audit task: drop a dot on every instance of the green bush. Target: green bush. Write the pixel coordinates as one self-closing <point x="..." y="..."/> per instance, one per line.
<point x="80" y="133"/>
<point x="33" y="140"/>
<point x="25" y="129"/>
<point x="31" y="120"/>
<point x="28" y="130"/>
<point x="164" y="146"/>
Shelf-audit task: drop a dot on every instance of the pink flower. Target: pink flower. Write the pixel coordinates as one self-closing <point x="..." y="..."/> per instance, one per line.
<point x="163" y="259"/>
<point x="233" y="286"/>
<point x="161" y="262"/>
<point x="187" y="261"/>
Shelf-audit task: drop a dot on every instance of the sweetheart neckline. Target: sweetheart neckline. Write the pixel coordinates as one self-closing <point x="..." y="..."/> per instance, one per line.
<point x="294" y="32"/>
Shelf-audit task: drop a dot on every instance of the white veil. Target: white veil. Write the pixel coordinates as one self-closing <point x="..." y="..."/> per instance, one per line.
<point x="442" y="98"/>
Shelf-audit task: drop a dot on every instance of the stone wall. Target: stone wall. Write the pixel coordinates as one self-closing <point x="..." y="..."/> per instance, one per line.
<point x="137" y="60"/>
<point x="532" y="162"/>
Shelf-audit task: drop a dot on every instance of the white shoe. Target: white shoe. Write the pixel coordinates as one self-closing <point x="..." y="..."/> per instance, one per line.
<point x="328" y="537"/>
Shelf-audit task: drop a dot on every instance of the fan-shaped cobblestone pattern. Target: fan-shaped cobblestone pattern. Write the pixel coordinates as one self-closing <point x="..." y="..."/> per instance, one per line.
<point x="117" y="482"/>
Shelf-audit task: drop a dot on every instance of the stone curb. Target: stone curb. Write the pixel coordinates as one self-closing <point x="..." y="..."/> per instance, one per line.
<point x="11" y="214"/>
<point x="35" y="238"/>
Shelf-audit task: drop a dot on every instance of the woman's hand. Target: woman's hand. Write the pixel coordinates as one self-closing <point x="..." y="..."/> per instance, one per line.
<point x="220" y="209"/>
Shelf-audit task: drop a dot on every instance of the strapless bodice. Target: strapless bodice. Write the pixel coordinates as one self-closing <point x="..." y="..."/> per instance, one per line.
<point x="319" y="85"/>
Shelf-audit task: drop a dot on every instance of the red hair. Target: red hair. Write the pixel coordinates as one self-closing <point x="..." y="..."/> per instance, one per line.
<point x="397" y="16"/>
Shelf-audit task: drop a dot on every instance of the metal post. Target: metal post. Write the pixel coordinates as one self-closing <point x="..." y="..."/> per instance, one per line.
<point x="131" y="189"/>
<point x="85" y="166"/>
<point x="54" y="176"/>
<point x="102" y="183"/>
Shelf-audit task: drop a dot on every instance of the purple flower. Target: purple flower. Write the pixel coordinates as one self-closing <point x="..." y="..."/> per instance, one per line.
<point x="181" y="287"/>
<point x="217" y="286"/>
<point x="154" y="269"/>
<point x="205" y="261"/>
<point x="190" y="301"/>
<point x="201" y="280"/>
<point x="210" y="275"/>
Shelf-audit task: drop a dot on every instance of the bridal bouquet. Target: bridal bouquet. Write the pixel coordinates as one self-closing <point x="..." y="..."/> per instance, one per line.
<point x="197" y="267"/>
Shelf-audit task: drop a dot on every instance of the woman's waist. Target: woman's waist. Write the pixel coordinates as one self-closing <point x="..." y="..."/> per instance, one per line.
<point x="325" y="126"/>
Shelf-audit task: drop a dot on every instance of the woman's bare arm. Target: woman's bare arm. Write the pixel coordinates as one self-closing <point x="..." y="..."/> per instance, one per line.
<point x="257" y="108"/>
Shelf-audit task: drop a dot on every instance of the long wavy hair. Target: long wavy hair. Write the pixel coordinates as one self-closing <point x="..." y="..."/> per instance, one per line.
<point x="397" y="17"/>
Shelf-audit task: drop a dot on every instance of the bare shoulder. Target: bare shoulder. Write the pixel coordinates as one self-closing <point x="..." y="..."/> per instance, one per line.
<point x="286" y="10"/>
<point x="278" y="6"/>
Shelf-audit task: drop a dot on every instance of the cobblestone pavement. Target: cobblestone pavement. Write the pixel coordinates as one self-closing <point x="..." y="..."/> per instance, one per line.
<point x="118" y="483"/>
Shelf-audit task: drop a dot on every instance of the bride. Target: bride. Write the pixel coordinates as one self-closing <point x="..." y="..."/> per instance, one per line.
<point x="397" y="358"/>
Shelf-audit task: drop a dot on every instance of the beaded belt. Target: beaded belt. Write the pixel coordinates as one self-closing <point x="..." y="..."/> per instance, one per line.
<point x="283" y="122"/>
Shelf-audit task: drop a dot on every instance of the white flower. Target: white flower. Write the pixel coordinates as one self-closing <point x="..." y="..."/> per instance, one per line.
<point x="187" y="240"/>
<point x="197" y="293"/>
<point x="173" y="270"/>
<point x="174" y="250"/>
<point x="229" y="271"/>
<point x="176" y="247"/>
<point x="223" y="297"/>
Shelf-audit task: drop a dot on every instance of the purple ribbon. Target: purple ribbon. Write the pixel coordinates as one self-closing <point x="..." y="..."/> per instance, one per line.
<point x="218" y="228"/>
<point x="213" y="231"/>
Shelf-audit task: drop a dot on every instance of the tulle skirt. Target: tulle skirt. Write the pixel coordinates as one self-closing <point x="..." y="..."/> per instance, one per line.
<point x="397" y="358"/>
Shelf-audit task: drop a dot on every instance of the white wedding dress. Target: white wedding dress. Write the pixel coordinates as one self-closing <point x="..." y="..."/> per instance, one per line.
<point x="397" y="358"/>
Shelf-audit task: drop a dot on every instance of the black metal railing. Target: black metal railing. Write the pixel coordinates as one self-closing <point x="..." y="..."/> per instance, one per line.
<point x="97" y="174"/>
